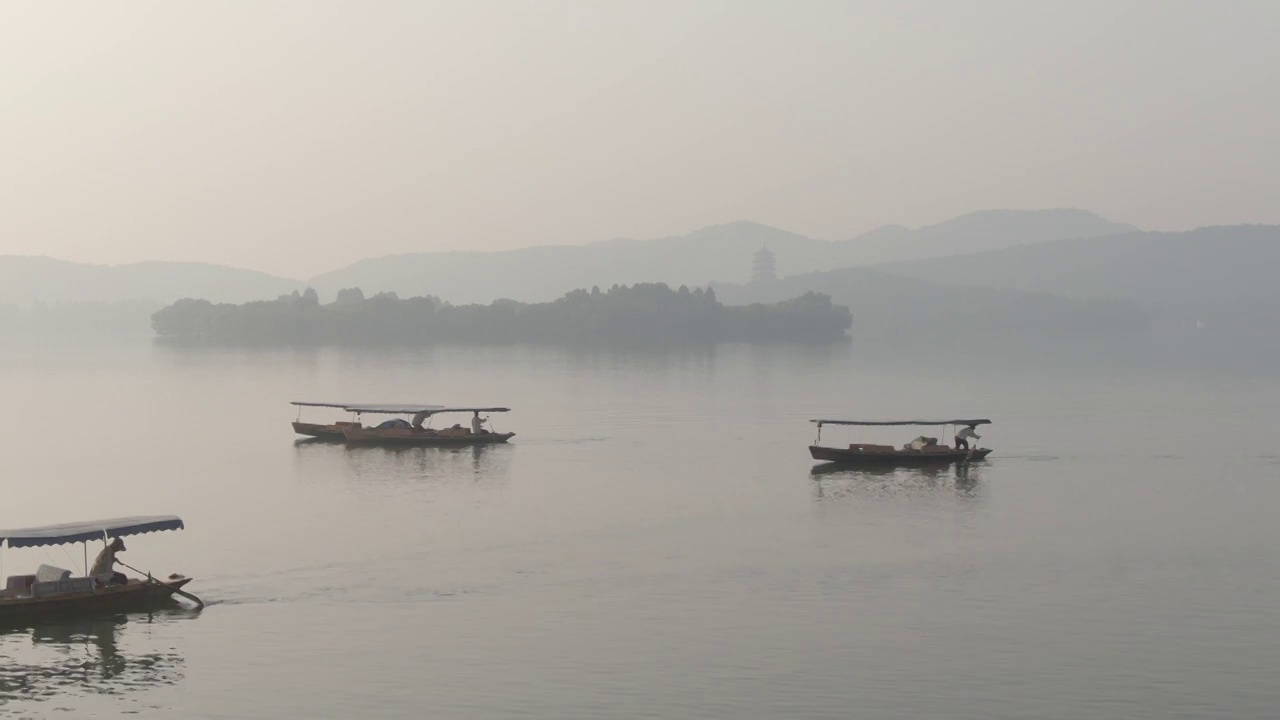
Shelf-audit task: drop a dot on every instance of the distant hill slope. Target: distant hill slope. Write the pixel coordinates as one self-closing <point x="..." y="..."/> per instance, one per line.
<point x="25" y="279"/>
<point x="1207" y="266"/>
<point x="540" y="274"/>
<point x="975" y="232"/>
<point x="717" y="253"/>
<point x="898" y="310"/>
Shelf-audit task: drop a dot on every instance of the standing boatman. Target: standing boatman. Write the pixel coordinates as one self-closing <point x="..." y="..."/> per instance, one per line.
<point x="477" y="424"/>
<point x="963" y="435"/>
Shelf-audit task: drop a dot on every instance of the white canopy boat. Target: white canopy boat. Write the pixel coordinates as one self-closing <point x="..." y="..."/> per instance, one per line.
<point x="53" y="591"/>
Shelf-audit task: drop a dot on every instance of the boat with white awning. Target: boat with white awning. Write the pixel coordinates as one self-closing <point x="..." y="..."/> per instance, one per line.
<point x="54" y="591"/>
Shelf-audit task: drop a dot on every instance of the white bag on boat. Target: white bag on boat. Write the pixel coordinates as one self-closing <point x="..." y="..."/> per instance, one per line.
<point x="49" y="573"/>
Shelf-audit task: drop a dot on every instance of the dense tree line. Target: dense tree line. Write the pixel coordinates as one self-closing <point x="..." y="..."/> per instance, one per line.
<point x="644" y="312"/>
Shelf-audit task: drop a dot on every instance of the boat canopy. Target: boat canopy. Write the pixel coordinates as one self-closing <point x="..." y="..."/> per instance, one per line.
<point x="308" y="403"/>
<point x="92" y="530"/>
<point x="384" y="409"/>
<point x="419" y="409"/>
<point x="902" y="422"/>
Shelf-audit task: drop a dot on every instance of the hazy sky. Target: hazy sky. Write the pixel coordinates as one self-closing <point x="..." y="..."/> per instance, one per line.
<point x="295" y="137"/>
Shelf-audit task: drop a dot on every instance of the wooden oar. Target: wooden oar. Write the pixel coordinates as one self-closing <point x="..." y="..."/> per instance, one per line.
<point x="199" y="603"/>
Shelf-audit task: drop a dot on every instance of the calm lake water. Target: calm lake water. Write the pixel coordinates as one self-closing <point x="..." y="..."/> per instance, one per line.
<point x="653" y="543"/>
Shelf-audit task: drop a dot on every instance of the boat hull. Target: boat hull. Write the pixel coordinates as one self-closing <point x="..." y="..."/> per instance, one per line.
<point x="332" y="431"/>
<point x="896" y="458"/>
<point x="429" y="438"/>
<point x="136" y="596"/>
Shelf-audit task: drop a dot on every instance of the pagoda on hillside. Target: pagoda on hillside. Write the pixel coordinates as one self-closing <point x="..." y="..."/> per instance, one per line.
<point x="763" y="267"/>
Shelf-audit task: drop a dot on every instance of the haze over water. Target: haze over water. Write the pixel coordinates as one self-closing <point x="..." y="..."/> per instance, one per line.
<point x="653" y="541"/>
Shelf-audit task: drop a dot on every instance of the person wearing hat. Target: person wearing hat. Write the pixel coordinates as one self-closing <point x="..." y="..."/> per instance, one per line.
<point x="104" y="567"/>
<point x="963" y="435"/>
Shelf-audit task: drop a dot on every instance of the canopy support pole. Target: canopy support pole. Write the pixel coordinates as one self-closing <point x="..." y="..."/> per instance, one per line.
<point x="105" y="543"/>
<point x="85" y="544"/>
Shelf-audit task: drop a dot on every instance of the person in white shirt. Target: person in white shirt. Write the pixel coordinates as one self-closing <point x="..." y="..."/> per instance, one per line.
<point x="477" y="424"/>
<point x="104" y="566"/>
<point x="963" y="435"/>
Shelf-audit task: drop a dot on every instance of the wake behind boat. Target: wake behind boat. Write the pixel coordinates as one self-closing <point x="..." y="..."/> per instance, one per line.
<point x="922" y="451"/>
<point x="53" y="592"/>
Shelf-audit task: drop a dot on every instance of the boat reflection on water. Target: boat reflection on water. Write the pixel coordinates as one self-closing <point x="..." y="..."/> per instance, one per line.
<point x="833" y="481"/>
<point x="401" y="464"/>
<point x="59" y="659"/>
<point x="476" y="460"/>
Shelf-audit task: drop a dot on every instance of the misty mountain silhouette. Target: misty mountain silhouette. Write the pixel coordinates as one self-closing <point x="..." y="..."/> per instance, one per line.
<point x="1206" y="266"/>
<point x="716" y="253"/>
<point x="905" y="311"/>
<point x="26" y="279"/>
<point x="975" y="232"/>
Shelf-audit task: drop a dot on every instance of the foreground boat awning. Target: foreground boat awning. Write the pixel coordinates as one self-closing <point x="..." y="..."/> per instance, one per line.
<point x="91" y="530"/>
<point x="902" y="422"/>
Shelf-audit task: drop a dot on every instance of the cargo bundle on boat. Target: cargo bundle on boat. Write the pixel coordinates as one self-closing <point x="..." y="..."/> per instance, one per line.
<point x="333" y="430"/>
<point x="418" y="431"/>
<point x="921" y="451"/>
<point x="54" y="592"/>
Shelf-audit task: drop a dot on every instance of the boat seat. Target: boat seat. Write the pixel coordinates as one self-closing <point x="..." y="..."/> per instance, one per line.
<point x="19" y="583"/>
<point x="81" y="584"/>
<point x="57" y="587"/>
<point x="41" y="589"/>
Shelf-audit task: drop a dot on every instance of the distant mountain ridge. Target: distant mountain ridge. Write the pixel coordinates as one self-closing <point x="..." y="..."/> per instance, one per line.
<point x="1207" y="266"/>
<point x="716" y="253"/>
<point x="541" y="274"/>
<point x="901" y="311"/>
<point x="28" y="279"/>
<point x="978" y="232"/>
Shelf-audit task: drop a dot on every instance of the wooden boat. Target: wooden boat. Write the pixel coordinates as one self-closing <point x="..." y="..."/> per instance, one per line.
<point x="400" y="432"/>
<point x="53" y="593"/>
<point x="333" y="431"/>
<point x="921" y="452"/>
